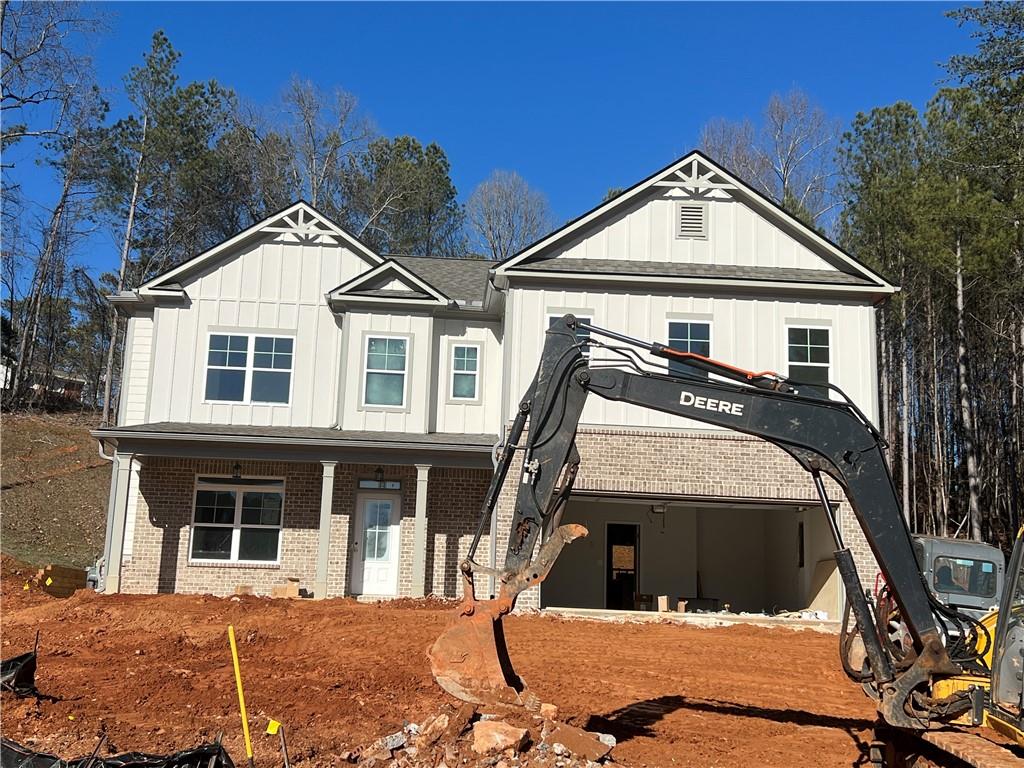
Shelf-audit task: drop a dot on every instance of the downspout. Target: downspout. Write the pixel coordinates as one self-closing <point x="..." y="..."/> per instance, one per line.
<point x="491" y="585"/>
<point x="494" y="514"/>
<point x="104" y="456"/>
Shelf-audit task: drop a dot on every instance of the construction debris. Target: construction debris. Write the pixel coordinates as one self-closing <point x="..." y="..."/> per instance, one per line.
<point x="463" y="736"/>
<point x="289" y="589"/>
<point x="58" y="581"/>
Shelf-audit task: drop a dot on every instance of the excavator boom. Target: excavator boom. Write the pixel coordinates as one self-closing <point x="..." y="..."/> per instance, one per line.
<point x="825" y="436"/>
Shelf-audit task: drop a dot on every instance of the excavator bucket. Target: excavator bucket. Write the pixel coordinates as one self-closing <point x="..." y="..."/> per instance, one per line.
<point x="470" y="659"/>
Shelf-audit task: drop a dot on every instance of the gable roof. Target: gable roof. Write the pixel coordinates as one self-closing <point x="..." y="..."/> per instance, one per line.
<point x="299" y="220"/>
<point x="375" y="285"/>
<point x="706" y="174"/>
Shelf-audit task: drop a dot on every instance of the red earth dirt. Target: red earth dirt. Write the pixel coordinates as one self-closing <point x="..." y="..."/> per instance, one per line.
<point x="154" y="673"/>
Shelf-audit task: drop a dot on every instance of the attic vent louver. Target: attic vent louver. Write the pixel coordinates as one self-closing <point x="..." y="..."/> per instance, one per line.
<point x="692" y="221"/>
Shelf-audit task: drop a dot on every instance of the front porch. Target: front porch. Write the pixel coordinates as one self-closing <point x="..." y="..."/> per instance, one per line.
<point x="367" y="514"/>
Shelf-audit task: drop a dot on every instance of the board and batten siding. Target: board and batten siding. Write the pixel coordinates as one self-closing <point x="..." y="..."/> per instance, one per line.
<point x="137" y="367"/>
<point x="414" y="415"/>
<point x="482" y="415"/>
<point x="737" y="235"/>
<point x="274" y="287"/>
<point x="747" y="332"/>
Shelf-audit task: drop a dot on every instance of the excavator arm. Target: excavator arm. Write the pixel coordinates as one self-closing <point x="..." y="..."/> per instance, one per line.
<point x="824" y="436"/>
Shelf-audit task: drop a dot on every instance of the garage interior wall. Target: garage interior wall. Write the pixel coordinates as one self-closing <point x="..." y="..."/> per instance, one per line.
<point x="745" y="555"/>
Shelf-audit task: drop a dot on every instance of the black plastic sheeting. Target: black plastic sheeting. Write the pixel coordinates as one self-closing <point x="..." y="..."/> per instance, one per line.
<point x="13" y="755"/>
<point x="18" y="673"/>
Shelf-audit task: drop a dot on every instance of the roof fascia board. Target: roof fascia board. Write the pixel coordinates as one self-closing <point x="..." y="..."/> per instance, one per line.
<point x="253" y="231"/>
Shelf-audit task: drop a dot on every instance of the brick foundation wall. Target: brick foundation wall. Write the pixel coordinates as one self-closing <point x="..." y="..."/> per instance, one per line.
<point x="698" y="465"/>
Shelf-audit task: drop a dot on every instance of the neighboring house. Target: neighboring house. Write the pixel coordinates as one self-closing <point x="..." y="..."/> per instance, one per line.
<point x="296" y="405"/>
<point x="49" y="386"/>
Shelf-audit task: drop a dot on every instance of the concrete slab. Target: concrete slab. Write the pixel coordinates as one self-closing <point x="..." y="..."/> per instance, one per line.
<point x="695" y="619"/>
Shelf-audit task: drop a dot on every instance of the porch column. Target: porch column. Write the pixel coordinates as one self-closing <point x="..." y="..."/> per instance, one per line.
<point x="122" y="480"/>
<point x="419" y="536"/>
<point x="323" y="552"/>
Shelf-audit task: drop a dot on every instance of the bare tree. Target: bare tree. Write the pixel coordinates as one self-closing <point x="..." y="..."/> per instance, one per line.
<point x="788" y="157"/>
<point x="325" y="129"/>
<point x="506" y="214"/>
<point x="40" y="73"/>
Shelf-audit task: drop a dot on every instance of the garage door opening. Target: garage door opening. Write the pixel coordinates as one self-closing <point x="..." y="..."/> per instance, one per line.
<point x="727" y="556"/>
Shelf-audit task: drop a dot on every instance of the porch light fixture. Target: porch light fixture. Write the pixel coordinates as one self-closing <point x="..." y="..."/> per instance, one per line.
<point x="378" y="475"/>
<point x="236" y="471"/>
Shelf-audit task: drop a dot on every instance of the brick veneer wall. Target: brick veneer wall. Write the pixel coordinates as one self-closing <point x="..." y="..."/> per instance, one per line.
<point x="454" y="497"/>
<point x="710" y="465"/>
<point x="159" y="560"/>
<point x="164" y="515"/>
<point x="615" y="461"/>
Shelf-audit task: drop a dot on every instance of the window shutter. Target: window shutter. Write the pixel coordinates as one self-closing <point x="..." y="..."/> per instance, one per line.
<point x="692" y="221"/>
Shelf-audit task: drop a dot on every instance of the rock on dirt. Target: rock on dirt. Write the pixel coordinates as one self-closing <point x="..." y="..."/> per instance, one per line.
<point x="578" y="742"/>
<point x="490" y="736"/>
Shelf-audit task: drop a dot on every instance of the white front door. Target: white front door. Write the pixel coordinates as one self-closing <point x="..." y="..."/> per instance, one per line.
<point x="375" y="546"/>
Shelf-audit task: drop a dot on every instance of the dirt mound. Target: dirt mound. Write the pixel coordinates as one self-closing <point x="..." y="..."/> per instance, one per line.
<point x="54" y="488"/>
<point x="154" y="674"/>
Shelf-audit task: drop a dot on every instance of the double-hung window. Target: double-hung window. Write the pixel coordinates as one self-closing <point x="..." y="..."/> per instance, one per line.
<point x="237" y="520"/>
<point x="808" y="353"/>
<point x="689" y="336"/>
<point x="387" y="362"/>
<point x="465" y="372"/>
<point x="249" y="368"/>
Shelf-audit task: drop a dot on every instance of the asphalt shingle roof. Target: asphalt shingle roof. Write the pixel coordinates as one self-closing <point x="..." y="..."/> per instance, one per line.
<point x="675" y="269"/>
<point x="459" y="279"/>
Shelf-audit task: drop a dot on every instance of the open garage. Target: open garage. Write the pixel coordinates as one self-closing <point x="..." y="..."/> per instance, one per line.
<point x="715" y="555"/>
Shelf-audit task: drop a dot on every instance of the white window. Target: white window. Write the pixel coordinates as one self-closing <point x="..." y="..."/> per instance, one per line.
<point x="465" y="372"/>
<point x="691" y="221"/>
<point x="233" y="375"/>
<point x="237" y="520"/>
<point x="689" y="336"/>
<point x="808" y="352"/>
<point x="386" y="366"/>
<point x="582" y="334"/>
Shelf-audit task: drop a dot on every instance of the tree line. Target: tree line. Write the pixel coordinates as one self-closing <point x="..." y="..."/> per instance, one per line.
<point x="930" y="198"/>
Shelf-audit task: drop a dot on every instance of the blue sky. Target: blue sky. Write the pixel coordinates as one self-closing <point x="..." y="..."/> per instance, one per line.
<point x="576" y="97"/>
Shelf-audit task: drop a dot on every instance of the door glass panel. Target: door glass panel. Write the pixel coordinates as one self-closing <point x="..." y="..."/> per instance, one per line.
<point x="377" y="531"/>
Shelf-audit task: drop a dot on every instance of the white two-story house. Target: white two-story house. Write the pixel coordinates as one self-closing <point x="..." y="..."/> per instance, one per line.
<point x="296" y="405"/>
